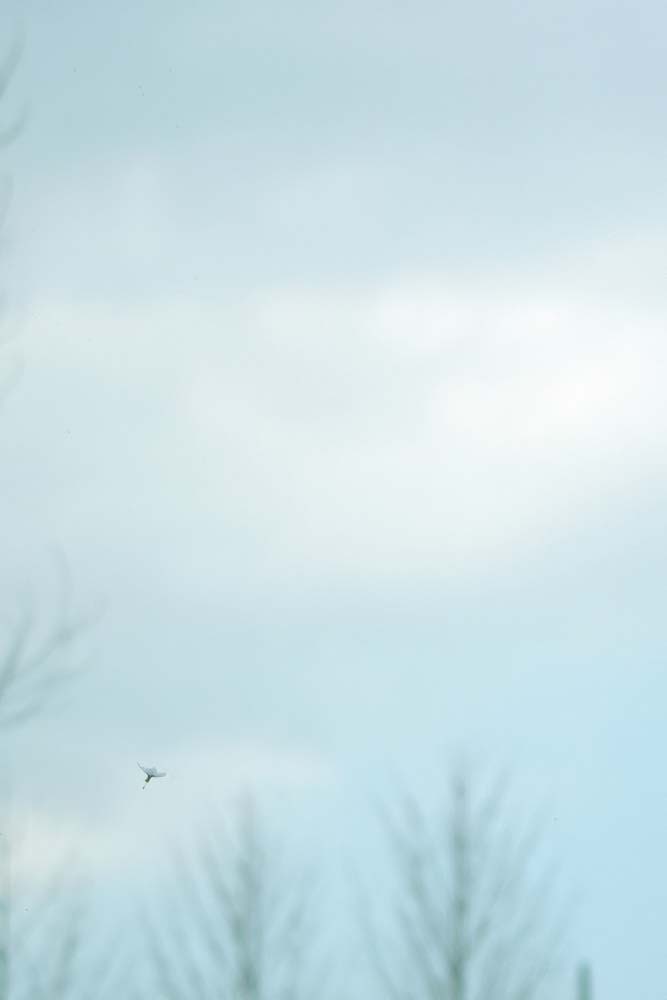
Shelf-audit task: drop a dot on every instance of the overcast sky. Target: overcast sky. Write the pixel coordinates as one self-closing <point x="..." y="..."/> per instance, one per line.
<point x="342" y="342"/>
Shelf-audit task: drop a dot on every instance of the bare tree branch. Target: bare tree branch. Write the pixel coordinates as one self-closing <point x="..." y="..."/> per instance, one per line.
<point x="239" y="932"/>
<point x="473" y="905"/>
<point x="37" y="661"/>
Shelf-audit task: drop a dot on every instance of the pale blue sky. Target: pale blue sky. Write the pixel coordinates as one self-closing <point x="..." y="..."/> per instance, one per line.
<point x="343" y="330"/>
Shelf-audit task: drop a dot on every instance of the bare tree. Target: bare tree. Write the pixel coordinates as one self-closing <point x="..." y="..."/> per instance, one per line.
<point x="237" y="930"/>
<point x="40" y="944"/>
<point x="475" y="913"/>
<point x="47" y="950"/>
<point x="35" y="655"/>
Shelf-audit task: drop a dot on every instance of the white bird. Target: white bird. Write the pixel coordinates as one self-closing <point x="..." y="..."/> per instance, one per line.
<point x="151" y="772"/>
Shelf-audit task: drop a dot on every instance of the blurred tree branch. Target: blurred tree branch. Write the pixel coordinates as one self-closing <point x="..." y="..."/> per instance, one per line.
<point x="38" y="659"/>
<point x="237" y="932"/>
<point x="47" y="950"/>
<point x="475" y="911"/>
<point x="35" y="660"/>
<point x="41" y="945"/>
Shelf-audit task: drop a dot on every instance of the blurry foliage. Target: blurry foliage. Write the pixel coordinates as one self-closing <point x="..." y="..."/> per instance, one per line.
<point x="475" y="912"/>
<point x="237" y="929"/>
<point x="41" y="940"/>
<point x="46" y="949"/>
<point x="36" y="656"/>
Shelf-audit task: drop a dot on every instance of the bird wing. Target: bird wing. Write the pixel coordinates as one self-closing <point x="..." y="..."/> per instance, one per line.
<point x="160" y="774"/>
<point x="146" y="770"/>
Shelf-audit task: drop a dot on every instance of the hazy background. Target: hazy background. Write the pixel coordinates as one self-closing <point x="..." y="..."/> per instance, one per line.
<point x="342" y="342"/>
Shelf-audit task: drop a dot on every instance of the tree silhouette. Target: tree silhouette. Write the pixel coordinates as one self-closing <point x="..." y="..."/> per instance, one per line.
<point x="237" y="929"/>
<point x="475" y="912"/>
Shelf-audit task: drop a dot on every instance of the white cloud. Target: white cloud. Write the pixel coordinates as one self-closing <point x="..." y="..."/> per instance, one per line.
<point x="431" y="425"/>
<point x="401" y="428"/>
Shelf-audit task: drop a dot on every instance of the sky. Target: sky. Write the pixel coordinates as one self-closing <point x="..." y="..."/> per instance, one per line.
<point x="334" y="342"/>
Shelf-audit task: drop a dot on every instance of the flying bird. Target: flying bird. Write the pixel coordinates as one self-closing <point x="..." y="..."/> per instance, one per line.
<point x="151" y="772"/>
